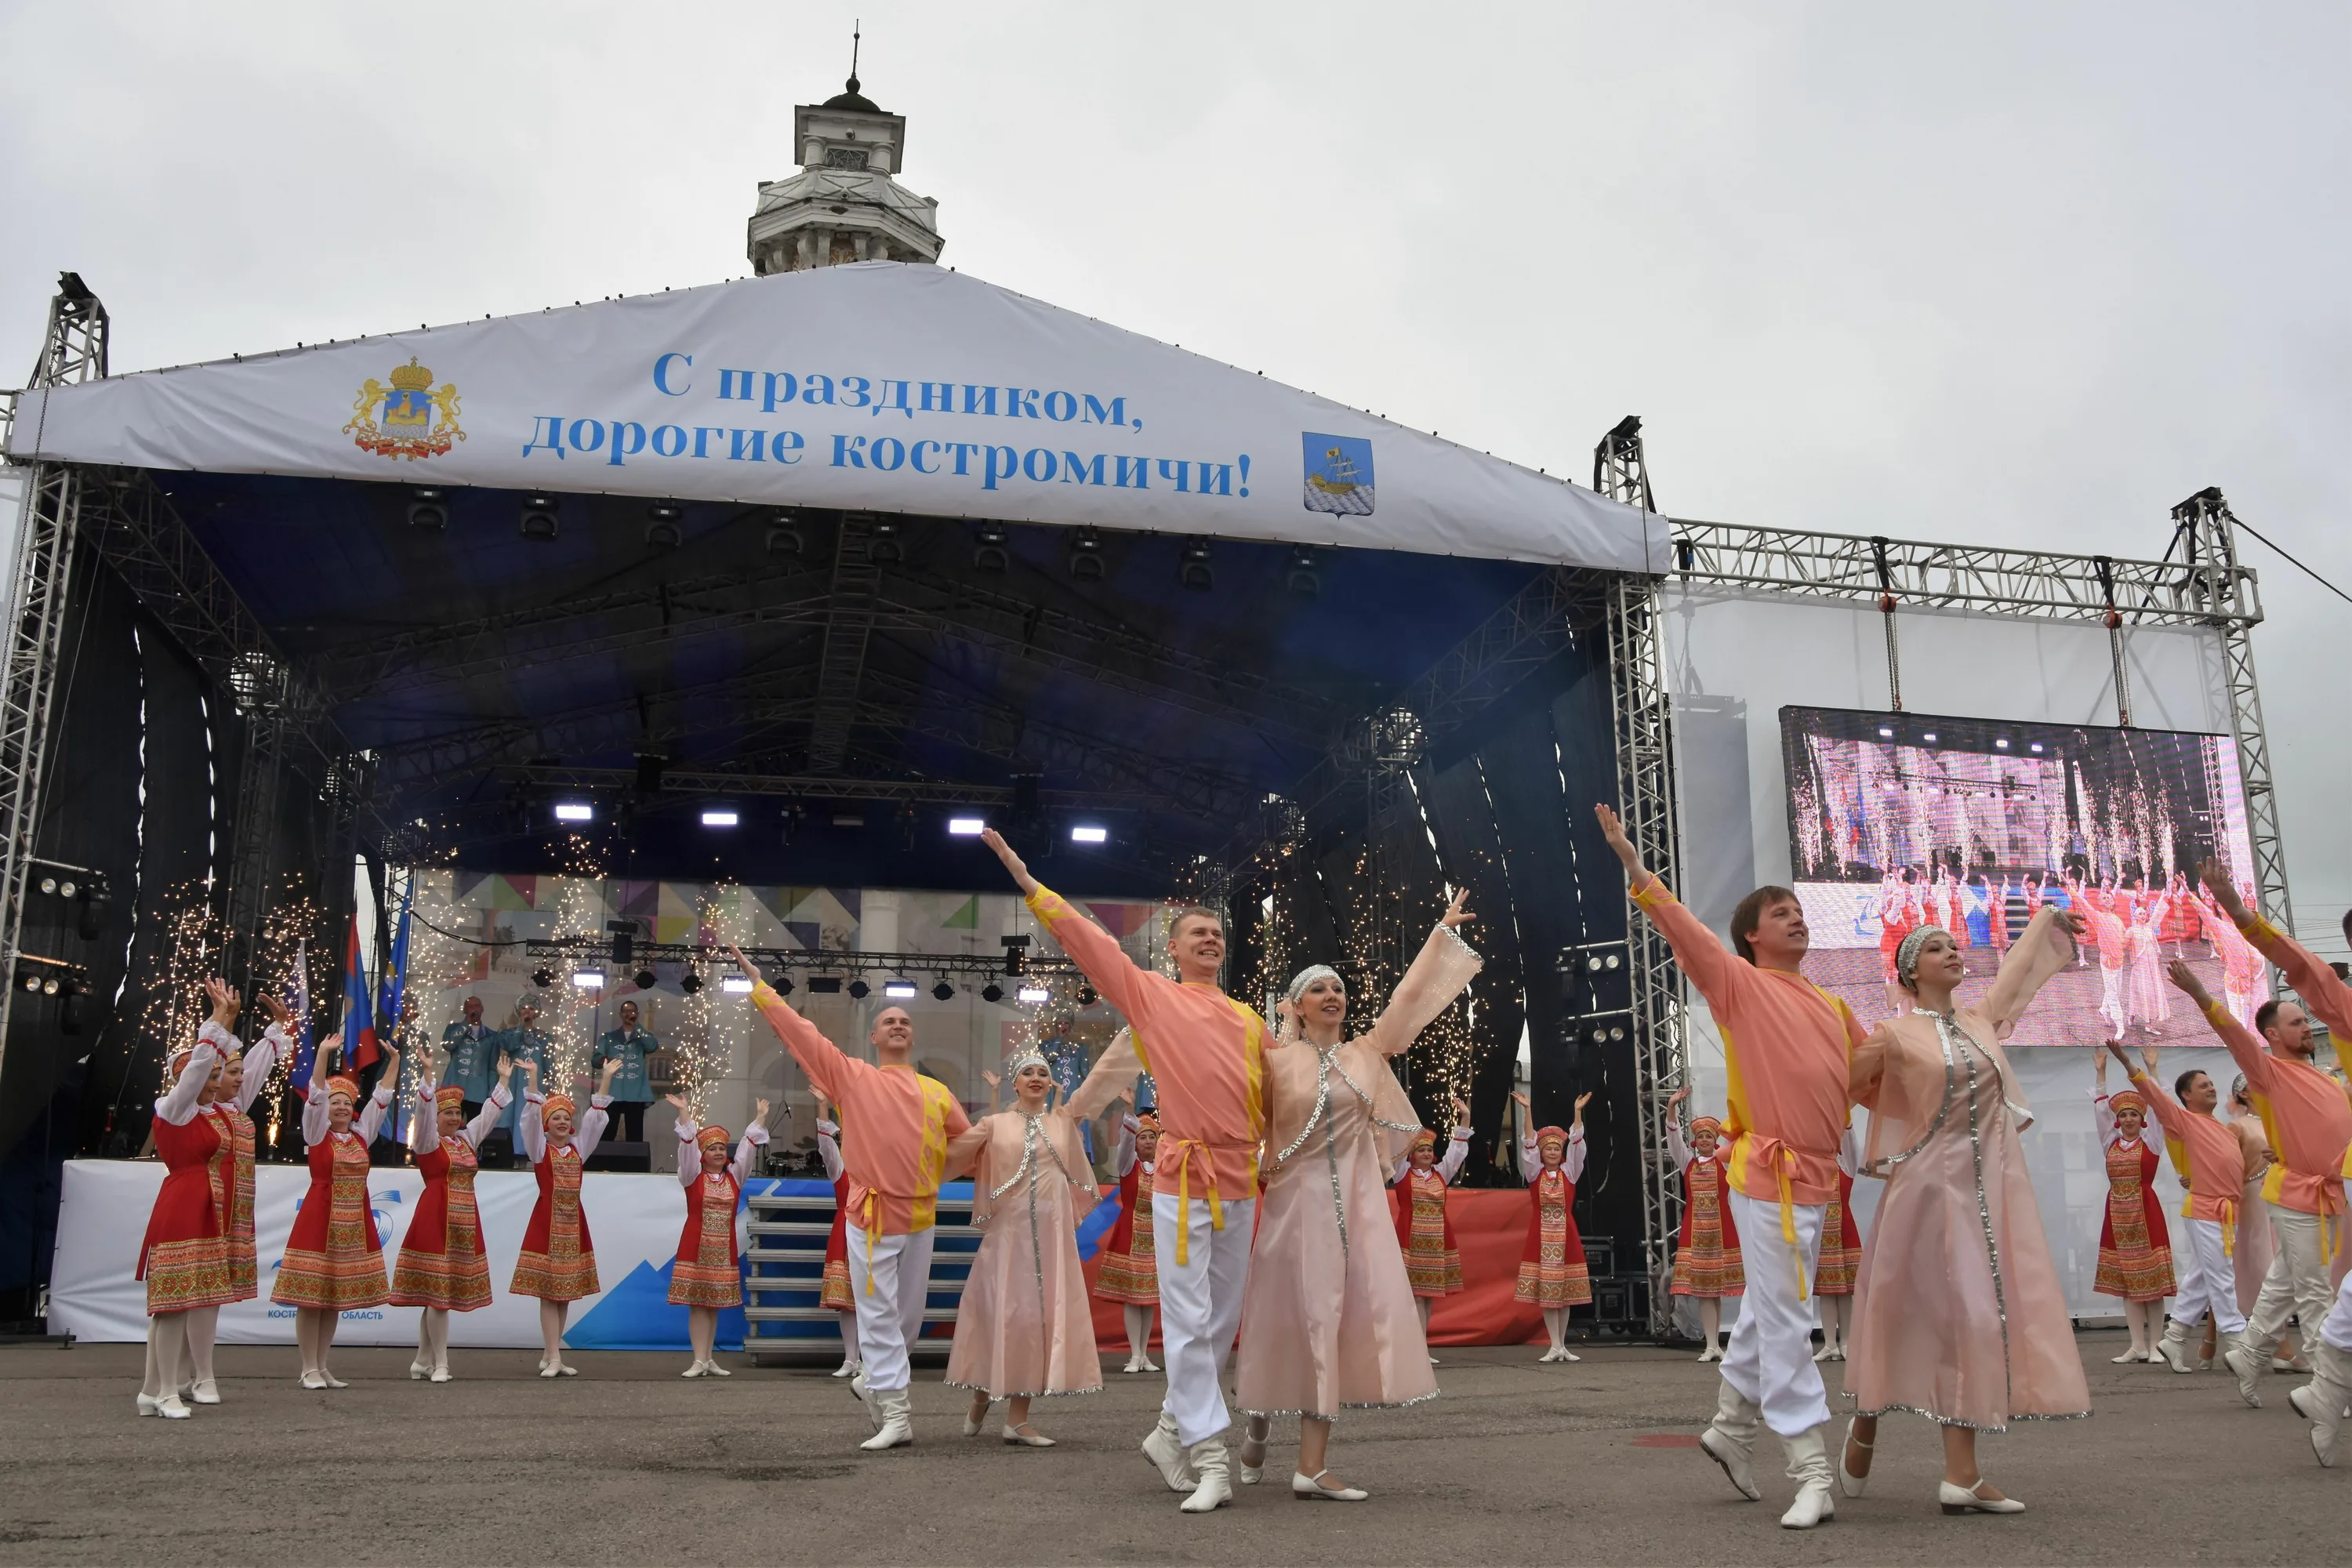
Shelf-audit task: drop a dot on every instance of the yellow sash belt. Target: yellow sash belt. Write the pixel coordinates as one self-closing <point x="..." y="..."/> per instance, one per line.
<point x="1179" y="1151"/>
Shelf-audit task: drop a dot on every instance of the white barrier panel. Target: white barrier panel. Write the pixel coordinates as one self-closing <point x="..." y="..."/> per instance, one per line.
<point x="634" y="1221"/>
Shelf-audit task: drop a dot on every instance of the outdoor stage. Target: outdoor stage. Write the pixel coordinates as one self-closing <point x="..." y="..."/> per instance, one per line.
<point x="1514" y="1463"/>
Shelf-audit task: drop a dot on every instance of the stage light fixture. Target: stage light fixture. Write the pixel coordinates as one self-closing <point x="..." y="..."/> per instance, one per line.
<point x="540" y="519"/>
<point x="898" y="990"/>
<point x="966" y="826"/>
<point x="943" y="991"/>
<point x="2035" y="747"/>
<point x="1929" y="737"/>
<point x="992" y="992"/>
<point x="542" y="977"/>
<point x="2000" y="743"/>
<point x="1885" y="732"/>
<point x="588" y="980"/>
<point x="33" y="984"/>
<point x="850" y="819"/>
<point x="644" y="979"/>
<point x="574" y="811"/>
<point x="1301" y="578"/>
<point x="1086" y="997"/>
<point x="1016" y="955"/>
<point x="49" y="986"/>
<point x="825" y="984"/>
<point x="989" y="552"/>
<point x="1090" y="833"/>
<point x="93" y="912"/>
<point x="67" y="889"/>
<point x="785" y="534"/>
<point x="1194" y="571"/>
<point x="48" y="884"/>
<point x="1085" y="556"/>
<point x="859" y="990"/>
<point x="650" y="769"/>
<point x="429" y="509"/>
<point x="625" y="941"/>
<point x="689" y="982"/>
<point x="69" y="1014"/>
<point x="721" y="818"/>
<point x="1034" y="994"/>
<point x="885" y="546"/>
<point x="740" y="985"/>
<point x="783" y="985"/>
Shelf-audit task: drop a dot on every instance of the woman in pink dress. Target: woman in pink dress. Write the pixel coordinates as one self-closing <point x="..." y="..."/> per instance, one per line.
<point x="1025" y="1327"/>
<point x="1958" y="1312"/>
<point x="2144" y="984"/>
<point x="1327" y="1317"/>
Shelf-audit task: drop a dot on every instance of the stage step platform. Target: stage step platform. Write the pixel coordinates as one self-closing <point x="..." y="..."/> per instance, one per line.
<point x="790" y="1224"/>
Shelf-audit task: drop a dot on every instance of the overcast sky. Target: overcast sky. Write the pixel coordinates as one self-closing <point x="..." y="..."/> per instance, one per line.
<point x="2008" y="275"/>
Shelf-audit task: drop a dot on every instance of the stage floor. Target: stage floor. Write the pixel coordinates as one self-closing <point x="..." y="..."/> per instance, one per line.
<point x="1518" y="1463"/>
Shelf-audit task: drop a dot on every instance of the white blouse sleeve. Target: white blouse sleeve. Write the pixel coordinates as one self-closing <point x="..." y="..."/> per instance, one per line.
<point x="487" y="1117"/>
<point x="259" y="1063"/>
<point x="1572" y="1164"/>
<point x="315" y="1125"/>
<point x="754" y="1137"/>
<point x="690" y="1157"/>
<point x="829" y="1150"/>
<point x="1449" y="1165"/>
<point x="531" y="1130"/>
<point x="592" y="1126"/>
<point x="1530" y="1158"/>
<point x="1677" y="1144"/>
<point x="379" y="1105"/>
<point x="177" y="1105"/>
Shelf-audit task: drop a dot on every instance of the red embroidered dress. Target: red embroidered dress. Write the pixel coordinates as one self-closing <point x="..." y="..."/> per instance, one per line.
<point x="1131" y="1266"/>
<point x="442" y="1262"/>
<point x="707" y="1272"/>
<point x="2135" y="1245"/>
<point x="558" y="1262"/>
<point x="835" y="1293"/>
<point x="1433" y="1262"/>
<point x="184" y="1256"/>
<point x="1841" y="1237"/>
<point x="1706" y="1252"/>
<point x="334" y="1261"/>
<point x="243" y="1277"/>
<point x="1551" y="1267"/>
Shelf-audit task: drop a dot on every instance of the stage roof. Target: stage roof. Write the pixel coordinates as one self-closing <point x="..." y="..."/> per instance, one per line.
<point x="875" y="385"/>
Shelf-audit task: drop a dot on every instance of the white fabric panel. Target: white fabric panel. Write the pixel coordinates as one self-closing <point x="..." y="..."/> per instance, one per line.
<point x="634" y="1220"/>
<point x="1206" y="448"/>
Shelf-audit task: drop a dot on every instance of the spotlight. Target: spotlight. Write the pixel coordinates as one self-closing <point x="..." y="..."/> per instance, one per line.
<point x="1088" y="833"/>
<point x="898" y="990"/>
<point x="542" y="977"/>
<point x="2034" y="747"/>
<point x="1302" y="581"/>
<point x="740" y="985"/>
<point x="538" y="518"/>
<point x="884" y="546"/>
<point x="1034" y="994"/>
<point x="650" y="769"/>
<point x="1885" y="733"/>
<point x="859" y="990"/>
<point x="943" y="991"/>
<point x="1086" y="997"/>
<point x="1085" y="556"/>
<point x="69" y="1014"/>
<point x="825" y="984"/>
<point x="644" y="979"/>
<point x="625" y="941"/>
<point x="67" y="889"/>
<point x="721" y="818"/>
<point x="588" y="980"/>
<point x="783" y="985"/>
<point x="48" y="884"/>
<point x="33" y="984"/>
<point x="689" y="982"/>
<point x="1929" y="737"/>
<point x="2000" y="743"/>
<point x="574" y="811"/>
<point x="50" y="986"/>
<point x="966" y="826"/>
<point x="786" y="535"/>
<point x="1194" y="572"/>
<point x="665" y="526"/>
<point x="1017" y="958"/>
<point x="93" y="912"/>
<point x="989" y="552"/>
<point x="992" y="992"/>
<point x="429" y="509"/>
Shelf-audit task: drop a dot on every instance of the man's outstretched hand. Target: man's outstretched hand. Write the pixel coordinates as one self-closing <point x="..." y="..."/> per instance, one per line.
<point x="1614" y="831"/>
<point x="1013" y="863"/>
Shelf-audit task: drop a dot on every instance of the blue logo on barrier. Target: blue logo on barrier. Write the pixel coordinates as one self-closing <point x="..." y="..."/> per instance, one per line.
<point x="1339" y="474"/>
<point x="636" y="1315"/>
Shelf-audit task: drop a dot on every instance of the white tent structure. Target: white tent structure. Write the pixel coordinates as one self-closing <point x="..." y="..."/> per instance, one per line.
<point x="875" y="385"/>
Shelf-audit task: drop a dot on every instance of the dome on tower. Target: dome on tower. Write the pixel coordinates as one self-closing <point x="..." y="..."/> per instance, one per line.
<point x="843" y="205"/>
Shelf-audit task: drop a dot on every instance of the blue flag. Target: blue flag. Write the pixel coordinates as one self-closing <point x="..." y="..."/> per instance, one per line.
<point x="298" y="1002"/>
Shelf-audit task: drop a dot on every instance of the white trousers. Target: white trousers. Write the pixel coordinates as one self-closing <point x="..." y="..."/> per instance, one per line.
<point x="2111" y="1004"/>
<point x="890" y="1315"/>
<point x="1200" y="1307"/>
<point x="2297" y="1282"/>
<point x="2336" y="1332"/>
<point x="1770" y="1360"/>
<point x="2207" y="1282"/>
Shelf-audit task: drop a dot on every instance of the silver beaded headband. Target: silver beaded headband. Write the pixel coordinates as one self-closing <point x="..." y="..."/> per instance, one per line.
<point x="1032" y="1057"/>
<point x="1308" y="976"/>
<point x="1907" y="957"/>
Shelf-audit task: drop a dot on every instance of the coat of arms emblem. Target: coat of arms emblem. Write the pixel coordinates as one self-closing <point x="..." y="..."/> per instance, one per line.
<point x="417" y="421"/>
<point x="1338" y="475"/>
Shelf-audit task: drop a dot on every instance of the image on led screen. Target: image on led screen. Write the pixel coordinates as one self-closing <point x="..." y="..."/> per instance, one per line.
<point x="1900" y="820"/>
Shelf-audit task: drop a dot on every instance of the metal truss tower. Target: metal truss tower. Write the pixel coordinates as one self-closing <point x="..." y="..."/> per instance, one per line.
<point x="73" y="350"/>
<point x="1642" y="708"/>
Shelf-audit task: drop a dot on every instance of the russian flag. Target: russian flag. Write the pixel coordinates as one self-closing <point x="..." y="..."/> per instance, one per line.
<point x="298" y="1001"/>
<point x="360" y="1049"/>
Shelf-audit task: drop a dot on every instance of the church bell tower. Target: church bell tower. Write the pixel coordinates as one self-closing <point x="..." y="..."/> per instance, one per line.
<point x="843" y="205"/>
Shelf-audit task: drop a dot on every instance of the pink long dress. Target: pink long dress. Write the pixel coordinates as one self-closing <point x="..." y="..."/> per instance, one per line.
<point x="1327" y="1318"/>
<point x="1958" y="1315"/>
<point x="1026" y="1328"/>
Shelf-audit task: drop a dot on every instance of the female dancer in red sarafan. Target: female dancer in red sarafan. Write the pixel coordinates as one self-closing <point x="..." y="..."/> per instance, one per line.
<point x="1433" y="1261"/>
<point x="1707" y="1264"/>
<point x="834" y="1293"/>
<point x="558" y="1261"/>
<point x="707" y="1273"/>
<point x="184" y="1256"/>
<point x="334" y="1260"/>
<point x="1131" y="1267"/>
<point x="1840" y="1257"/>
<point x="240" y="1079"/>
<point x="2135" y="1245"/>
<point x="1551" y="1269"/>
<point x="443" y="1267"/>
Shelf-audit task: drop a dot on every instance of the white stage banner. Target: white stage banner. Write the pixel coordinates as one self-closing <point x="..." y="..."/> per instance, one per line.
<point x="877" y="386"/>
<point x="634" y="1221"/>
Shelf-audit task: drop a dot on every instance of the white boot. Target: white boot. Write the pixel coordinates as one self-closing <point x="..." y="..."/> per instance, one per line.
<point x="2321" y="1400"/>
<point x="1165" y="1449"/>
<point x="896" y="1429"/>
<point x="1809" y="1467"/>
<point x="2174" y="1346"/>
<point x="866" y="1397"/>
<point x="1730" y="1439"/>
<point x="1210" y="1463"/>
<point x="2247" y="1366"/>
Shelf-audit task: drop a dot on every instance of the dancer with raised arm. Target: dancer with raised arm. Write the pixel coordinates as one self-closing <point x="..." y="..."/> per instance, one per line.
<point x="1328" y="1316"/>
<point x="1707" y="1266"/>
<point x="1432" y="1263"/>
<point x="242" y="1074"/>
<point x="184" y="1256"/>
<point x="1206" y="1054"/>
<point x="899" y="1123"/>
<point x="2323" y="991"/>
<point x="558" y="1261"/>
<point x="443" y="1267"/>
<point x="1130" y="1270"/>
<point x="834" y="1293"/>
<point x="1024" y="1330"/>
<point x="2135" y="1247"/>
<point x="1552" y="1272"/>
<point x="334" y="1260"/>
<point x="1785" y="1045"/>
<point x="1958" y="1315"/>
<point x="706" y="1276"/>
<point x="2207" y="1150"/>
<point x="2308" y="1121"/>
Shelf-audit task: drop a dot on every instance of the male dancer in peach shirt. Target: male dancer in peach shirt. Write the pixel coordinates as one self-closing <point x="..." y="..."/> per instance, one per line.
<point x="1786" y="1046"/>
<point x="1205" y="1052"/>
<point x="895" y="1148"/>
